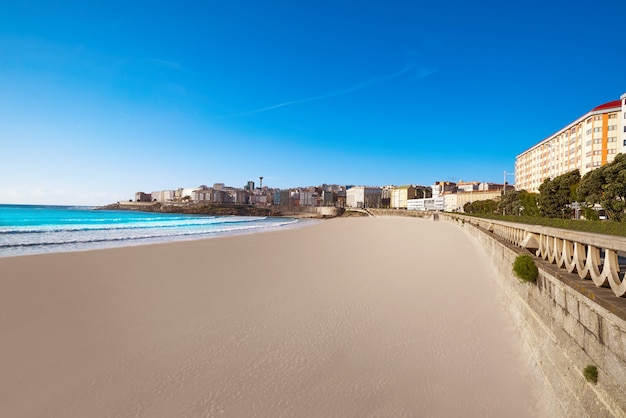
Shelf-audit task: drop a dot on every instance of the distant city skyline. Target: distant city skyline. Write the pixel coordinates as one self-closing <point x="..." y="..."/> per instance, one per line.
<point x="101" y="101"/>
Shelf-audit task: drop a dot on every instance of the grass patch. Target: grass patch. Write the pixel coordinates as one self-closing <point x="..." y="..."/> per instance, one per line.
<point x="591" y="374"/>
<point x="598" y="227"/>
<point x="525" y="269"/>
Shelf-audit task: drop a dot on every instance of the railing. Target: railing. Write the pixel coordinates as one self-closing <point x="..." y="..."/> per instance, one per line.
<point x="593" y="256"/>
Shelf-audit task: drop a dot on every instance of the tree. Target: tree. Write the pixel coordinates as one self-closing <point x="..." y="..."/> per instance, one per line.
<point x="529" y="203"/>
<point x="556" y="195"/>
<point x="519" y="202"/>
<point x="481" y="206"/>
<point x="606" y="186"/>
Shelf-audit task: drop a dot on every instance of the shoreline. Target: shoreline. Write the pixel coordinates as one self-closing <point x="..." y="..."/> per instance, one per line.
<point x="138" y="242"/>
<point x="355" y="316"/>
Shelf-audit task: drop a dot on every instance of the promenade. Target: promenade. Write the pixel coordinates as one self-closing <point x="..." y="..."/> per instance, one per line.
<point x="354" y="317"/>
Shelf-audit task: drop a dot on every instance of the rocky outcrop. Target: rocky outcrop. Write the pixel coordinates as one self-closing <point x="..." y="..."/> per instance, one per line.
<point x="194" y="209"/>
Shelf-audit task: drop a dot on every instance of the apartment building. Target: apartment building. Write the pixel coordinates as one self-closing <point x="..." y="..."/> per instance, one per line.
<point x="437" y="202"/>
<point x="363" y="196"/>
<point x="588" y="142"/>
<point x="400" y="195"/>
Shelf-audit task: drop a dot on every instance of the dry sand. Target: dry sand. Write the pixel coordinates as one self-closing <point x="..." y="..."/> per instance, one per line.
<point x="359" y="317"/>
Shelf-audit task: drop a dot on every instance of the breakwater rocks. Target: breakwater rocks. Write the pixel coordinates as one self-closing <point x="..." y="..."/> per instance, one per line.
<point x="194" y="209"/>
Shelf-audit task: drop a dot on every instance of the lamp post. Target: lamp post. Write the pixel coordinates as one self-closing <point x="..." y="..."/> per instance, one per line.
<point x="504" y="185"/>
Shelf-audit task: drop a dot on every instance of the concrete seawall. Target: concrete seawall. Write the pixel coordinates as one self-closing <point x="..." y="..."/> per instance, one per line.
<point x="565" y="329"/>
<point x="312" y="211"/>
<point x="400" y="212"/>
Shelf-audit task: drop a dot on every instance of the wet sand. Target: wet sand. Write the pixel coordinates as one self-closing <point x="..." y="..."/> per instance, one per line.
<point x="346" y="318"/>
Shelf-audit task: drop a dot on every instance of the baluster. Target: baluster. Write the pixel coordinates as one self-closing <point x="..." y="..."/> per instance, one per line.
<point x="568" y="255"/>
<point x="611" y="273"/>
<point x="559" y="256"/>
<point x="551" y="249"/>
<point x="593" y="264"/>
<point x="580" y="258"/>
<point x="541" y="251"/>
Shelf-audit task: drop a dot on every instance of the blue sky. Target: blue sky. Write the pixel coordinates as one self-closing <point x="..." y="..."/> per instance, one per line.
<point x="99" y="100"/>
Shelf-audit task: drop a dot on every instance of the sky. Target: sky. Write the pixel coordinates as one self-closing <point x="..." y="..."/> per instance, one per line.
<point x="99" y="100"/>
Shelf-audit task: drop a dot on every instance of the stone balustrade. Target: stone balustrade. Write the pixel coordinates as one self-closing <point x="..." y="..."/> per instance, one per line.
<point x="592" y="256"/>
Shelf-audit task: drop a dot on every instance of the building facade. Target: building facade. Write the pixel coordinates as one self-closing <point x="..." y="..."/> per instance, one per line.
<point x="435" y="203"/>
<point x="429" y="204"/>
<point x="163" y="196"/>
<point x="589" y="142"/>
<point x="362" y="196"/>
<point x="400" y="195"/>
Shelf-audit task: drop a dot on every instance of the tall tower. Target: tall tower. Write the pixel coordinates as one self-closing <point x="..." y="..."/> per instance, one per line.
<point x="260" y="182"/>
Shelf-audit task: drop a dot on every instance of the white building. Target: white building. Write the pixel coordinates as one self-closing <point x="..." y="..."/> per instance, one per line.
<point x="201" y="195"/>
<point x="467" y="186"/>
<point x="363" y="196"/>
<point x="163" y="195"/>
<point x="430" y="204"/>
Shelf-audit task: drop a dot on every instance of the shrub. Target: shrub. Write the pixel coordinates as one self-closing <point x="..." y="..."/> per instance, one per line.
<point x="525" y="269"/>
<point x="591" y="374"/>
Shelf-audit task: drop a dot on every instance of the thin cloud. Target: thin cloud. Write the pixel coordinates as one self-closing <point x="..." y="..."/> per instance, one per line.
<point x="378" y="79"/>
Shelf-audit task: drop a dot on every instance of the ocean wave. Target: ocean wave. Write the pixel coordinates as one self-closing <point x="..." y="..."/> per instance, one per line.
<point x="177" y="223"/>
<point x="72" y="239"/>
<point x="26" y="230"/>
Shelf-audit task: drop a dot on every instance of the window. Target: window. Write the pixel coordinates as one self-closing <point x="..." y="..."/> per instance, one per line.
<point x="612" y="151"/>
<point x="597" y="117"/>
<point x="589" y="120"/>
<point x="597" y="141"/>
<point x="588" y="154"/>
<point x="588" y="143"/>
<point x="612" y="127"/>
<point x="588" y="131"/>
<point x="597" y="129"/>
<point x="597" y="152"/>
<point x="612" y="139"/>
<point x="613" y="116"/>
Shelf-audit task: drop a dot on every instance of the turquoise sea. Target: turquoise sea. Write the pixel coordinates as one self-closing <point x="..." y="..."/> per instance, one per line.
<point x="36" y="229"/>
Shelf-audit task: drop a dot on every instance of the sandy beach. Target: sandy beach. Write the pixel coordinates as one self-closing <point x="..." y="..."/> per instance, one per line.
<point x="385" y="317"/>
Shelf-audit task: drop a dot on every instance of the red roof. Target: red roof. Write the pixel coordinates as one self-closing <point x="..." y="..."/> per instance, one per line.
<point x="614" y="103"/>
